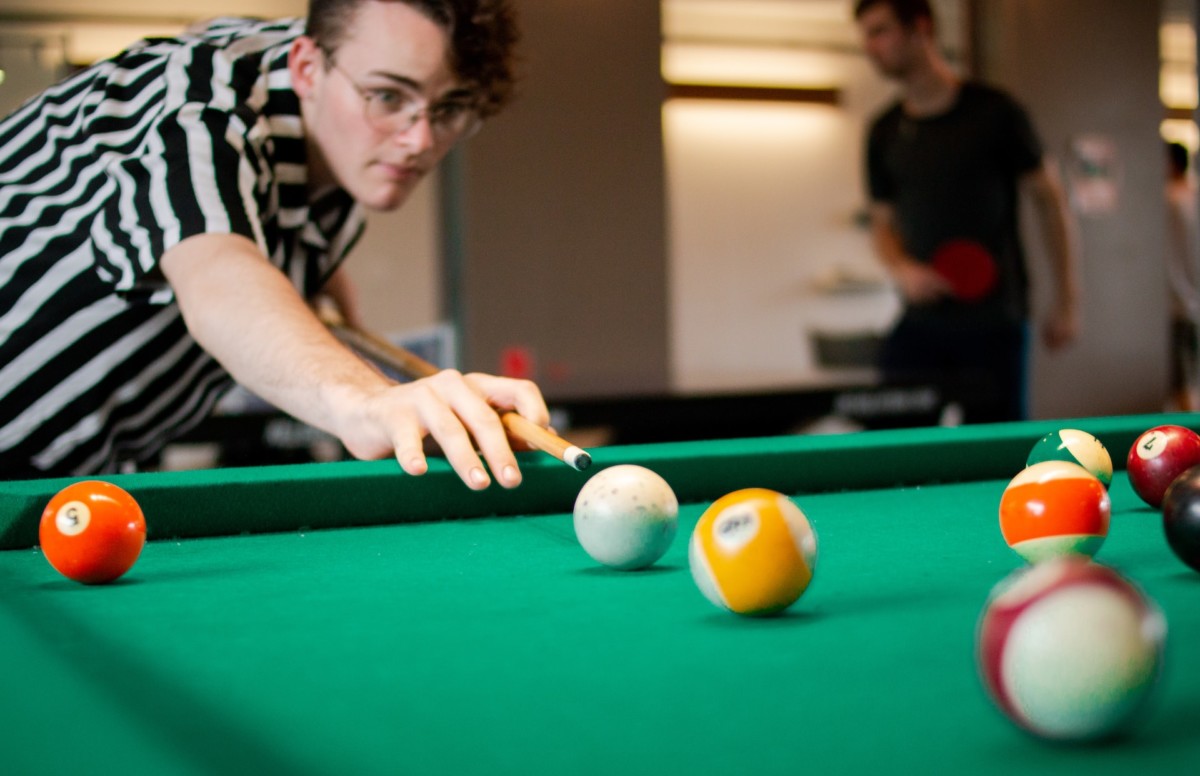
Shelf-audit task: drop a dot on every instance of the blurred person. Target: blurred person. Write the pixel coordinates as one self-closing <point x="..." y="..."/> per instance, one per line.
<point x="946" y="165"/>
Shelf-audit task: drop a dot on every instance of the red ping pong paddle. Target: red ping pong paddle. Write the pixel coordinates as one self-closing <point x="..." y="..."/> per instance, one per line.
<point x="968" y="267"/>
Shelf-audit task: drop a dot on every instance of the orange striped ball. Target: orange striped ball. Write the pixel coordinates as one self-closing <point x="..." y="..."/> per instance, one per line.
<point x="753" y="552"/>
<point x="1054" y="508"/>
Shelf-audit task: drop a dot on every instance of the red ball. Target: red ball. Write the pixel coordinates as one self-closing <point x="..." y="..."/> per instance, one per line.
<point x="92" y="532"/>
<point x="1159" y="456"/>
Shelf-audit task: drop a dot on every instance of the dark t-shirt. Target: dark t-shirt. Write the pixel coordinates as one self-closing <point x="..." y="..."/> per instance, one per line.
<point x="955" y="176"/>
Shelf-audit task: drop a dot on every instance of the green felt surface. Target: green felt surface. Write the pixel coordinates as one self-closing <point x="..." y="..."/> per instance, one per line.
<point x="494" y="645"/>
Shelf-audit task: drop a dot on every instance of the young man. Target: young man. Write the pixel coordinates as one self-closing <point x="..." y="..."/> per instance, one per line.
<point x="945" y="166"/>
<point x="166" y="215"/>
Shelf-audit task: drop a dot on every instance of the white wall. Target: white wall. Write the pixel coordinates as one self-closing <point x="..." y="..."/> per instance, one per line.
<point x="397" y="266"/>
<point x="29" y="64"/>
<point x="762" y="206"/>
<point x="1090" y="67"/>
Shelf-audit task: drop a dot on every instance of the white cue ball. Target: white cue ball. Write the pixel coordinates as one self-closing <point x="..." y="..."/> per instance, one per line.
<point x="626" y="516"/>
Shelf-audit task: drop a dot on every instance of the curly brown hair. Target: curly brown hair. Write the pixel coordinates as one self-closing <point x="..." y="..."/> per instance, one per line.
<point x="907" y="11"/>
<point x="483" y="37"/>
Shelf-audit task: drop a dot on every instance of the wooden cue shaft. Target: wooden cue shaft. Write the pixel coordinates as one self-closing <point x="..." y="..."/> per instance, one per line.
<point x="414" y="366"/>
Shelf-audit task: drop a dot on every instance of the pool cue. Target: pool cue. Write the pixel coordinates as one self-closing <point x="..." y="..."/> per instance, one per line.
<point x="412" y="365"/>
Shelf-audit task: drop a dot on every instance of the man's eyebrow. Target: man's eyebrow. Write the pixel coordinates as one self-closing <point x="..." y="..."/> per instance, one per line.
<point x="396" y="78"/>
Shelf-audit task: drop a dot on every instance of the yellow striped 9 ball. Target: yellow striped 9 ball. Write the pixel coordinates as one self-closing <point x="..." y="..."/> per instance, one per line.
<point x="753" y="552"/>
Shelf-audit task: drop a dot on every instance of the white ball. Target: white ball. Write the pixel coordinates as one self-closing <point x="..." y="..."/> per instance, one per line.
<point x="626" y="517"/>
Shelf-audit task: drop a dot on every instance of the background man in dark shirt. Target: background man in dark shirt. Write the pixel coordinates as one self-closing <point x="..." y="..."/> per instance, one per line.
<point x="945" y="168"/>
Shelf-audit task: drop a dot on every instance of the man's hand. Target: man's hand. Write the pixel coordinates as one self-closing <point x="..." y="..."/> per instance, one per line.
<point x="1063" y="324"/>
<point x="247" y="315"/>
<point x="1061" y="327"/>
<point x="458" y="411"/>
<point x="919" y="283"/>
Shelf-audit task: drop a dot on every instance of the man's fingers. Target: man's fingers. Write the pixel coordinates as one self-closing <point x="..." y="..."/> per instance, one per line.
<point x="479" y="418"/>
<point x="460" y="414"/>
<point x="522" y="396"/>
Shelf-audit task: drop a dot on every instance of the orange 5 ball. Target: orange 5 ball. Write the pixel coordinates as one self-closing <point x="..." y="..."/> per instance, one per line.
<point x="92" y="532"/>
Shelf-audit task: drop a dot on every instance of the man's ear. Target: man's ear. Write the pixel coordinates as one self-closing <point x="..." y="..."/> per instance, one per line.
<point x="304" y="60"/>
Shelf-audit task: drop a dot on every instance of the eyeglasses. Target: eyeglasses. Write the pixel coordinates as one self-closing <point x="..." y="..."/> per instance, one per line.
<point x="395" y="110"/>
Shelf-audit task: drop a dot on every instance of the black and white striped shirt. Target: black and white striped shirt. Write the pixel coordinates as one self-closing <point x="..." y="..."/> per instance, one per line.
<point x="99" y="176"/>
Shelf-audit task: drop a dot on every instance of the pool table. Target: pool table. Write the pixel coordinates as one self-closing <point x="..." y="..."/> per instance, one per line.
<point x="345" y="618"/>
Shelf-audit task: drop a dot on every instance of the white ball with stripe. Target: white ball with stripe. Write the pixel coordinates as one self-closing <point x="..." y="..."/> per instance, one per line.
<point x="1075" y="446"/>
<point x="1069" y="650"/>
